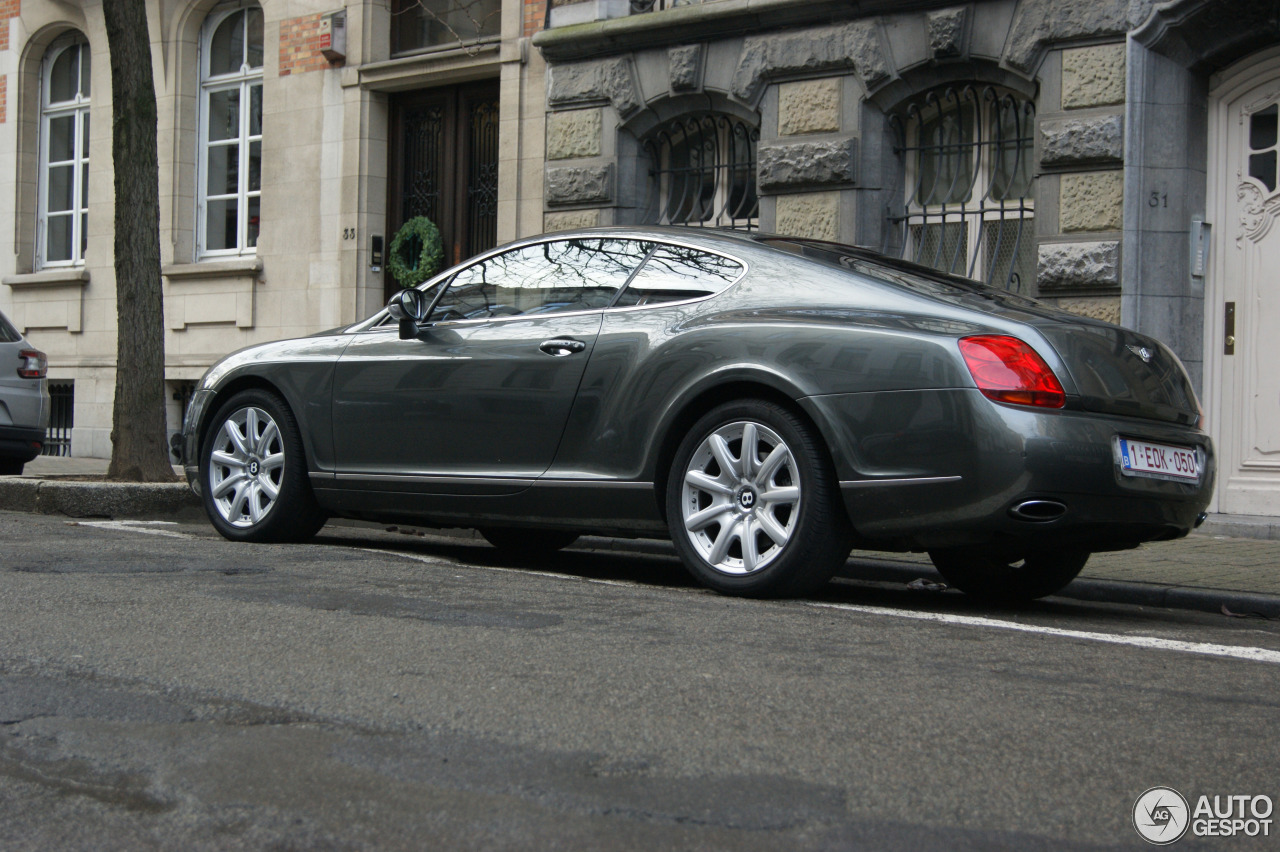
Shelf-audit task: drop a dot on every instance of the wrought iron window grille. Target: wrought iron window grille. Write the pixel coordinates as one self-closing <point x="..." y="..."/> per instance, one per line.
<point x="969" y="206"/>
<point x="702" y="172"/>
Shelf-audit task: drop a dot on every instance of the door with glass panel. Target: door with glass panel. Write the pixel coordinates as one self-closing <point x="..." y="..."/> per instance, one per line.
<point x="1242" y="294"/>
<point x="444" y="165"/>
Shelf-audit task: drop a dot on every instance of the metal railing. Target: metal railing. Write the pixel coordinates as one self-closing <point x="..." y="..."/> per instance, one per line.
<point x="703" y="172"/>
<point x="62" y="398"/>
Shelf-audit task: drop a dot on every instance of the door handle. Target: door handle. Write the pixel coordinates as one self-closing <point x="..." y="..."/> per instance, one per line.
<point x="562" y="346"/>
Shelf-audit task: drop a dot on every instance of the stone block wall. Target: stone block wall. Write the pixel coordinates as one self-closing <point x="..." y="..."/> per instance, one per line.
<point x="1080" y="194"/>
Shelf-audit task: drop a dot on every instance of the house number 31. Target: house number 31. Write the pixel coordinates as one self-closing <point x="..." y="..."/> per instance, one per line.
<point x="1158" y="199"/>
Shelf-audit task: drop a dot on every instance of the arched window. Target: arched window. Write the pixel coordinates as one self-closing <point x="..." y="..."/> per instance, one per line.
<point x="702" y="171"/>
<point x="230" y="180"/>
<point x="969" y="191"/>
<point x="63" y="190"/>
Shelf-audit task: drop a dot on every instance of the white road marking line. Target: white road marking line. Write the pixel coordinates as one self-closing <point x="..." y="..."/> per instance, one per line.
<point x="441" y="564"/>
<point x="145" y="527"/>
<point x="1241" y="652"/>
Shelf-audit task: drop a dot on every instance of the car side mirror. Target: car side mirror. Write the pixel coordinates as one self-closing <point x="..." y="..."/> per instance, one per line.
<point x="409" y="309"/>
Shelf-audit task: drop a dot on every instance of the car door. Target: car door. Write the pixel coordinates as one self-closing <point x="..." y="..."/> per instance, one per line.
<point x="477" y="403"/>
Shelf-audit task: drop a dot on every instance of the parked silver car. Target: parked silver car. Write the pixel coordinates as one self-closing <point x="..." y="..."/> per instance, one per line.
<point x="24" y="399"/>
<point x="768" y="402"/>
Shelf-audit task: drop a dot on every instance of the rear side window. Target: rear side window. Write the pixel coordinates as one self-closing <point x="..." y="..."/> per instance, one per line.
<point x="677" y="274"/>
<point x="8" y="334"/>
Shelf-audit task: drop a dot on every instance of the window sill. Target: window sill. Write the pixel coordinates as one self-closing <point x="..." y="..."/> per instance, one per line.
<point x="239" y="267"/>
<point x="57" y="277"/>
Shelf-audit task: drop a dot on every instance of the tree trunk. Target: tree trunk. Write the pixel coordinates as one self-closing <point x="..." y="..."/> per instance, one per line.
<point x="139" y="448"/>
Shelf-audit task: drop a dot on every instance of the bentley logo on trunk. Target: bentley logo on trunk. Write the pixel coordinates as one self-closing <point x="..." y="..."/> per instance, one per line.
<point x="1142" y="352"/>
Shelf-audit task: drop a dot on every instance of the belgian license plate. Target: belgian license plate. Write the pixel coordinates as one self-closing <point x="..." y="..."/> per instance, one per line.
<point x="1160" y="461"/>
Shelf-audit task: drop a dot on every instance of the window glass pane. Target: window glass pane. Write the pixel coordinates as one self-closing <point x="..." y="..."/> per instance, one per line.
<point x="1011" y="150"/>
<point x="58" y="243"/>
<point x="224" y="175"/>
<point x="255" y="110"/>
<point x="224" y="114"/>
<point x="942" y="246"/>
<point x="226" y="48"/>
<point x="255" y="219"/>
<point x="84" y="134"/>
<point x="674" y="274"/>
<point x="564" y="275"/>
<point x="1011" y="254"/>
<point x="1263" y="167"/>
<point x="1262" y="129"/>
<point x="255" y="166"/>
<point x="60" y="188"/>
<point x="255" y="37"/>
<point x="64" y="77"/>
<point x="945" y="164"/>
<point x="416" y="24"/>
<point x="85" y="65"/>
<point x="220" y="225"/>
<point x="84" y="185"/>
<point x="84" y="234"/>
<point x="62" y="137"/>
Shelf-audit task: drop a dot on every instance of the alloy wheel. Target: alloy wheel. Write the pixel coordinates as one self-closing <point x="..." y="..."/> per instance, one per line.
<point x="741" y="497"/>
<point x="246" y="467"/>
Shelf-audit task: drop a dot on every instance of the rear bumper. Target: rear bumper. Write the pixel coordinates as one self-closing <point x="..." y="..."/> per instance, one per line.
<point x="933" y="469"/>
<point x="19" y="443"/>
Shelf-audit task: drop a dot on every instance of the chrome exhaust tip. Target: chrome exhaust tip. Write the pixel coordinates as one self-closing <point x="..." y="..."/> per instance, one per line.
<point x="1201" y="518"/>
<point x="1039" y="511"/>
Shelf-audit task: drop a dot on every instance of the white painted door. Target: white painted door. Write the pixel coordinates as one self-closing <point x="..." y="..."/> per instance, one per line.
<point x="1243" y="292"/>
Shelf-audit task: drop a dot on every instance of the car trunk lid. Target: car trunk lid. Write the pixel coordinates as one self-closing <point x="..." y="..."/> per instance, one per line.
<point x="1118" y="371"/>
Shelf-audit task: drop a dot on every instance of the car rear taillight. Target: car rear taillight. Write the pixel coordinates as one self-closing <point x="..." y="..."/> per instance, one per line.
<point x="34" y="364"/>
<point x="1007" y="370"/>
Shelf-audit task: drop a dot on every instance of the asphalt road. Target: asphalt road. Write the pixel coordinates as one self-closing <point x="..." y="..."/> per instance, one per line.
<point x="163" y="688"/>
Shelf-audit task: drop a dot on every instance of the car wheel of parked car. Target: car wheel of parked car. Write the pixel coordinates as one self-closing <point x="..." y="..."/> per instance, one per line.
<point x="11" y="467"/>
<point x="993" y="578"/>
<point x="533" y="542"/>
<point x="753" y="505"/>
<point x="255" y="474"/>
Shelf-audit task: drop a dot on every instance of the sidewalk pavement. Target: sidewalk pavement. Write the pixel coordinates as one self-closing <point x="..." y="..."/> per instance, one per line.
<point x="1230" y="563"/>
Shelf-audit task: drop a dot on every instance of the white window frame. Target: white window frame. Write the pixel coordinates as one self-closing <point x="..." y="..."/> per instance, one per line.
<point x="78" y="110"/>
<point x="977" y="210"/>
<point x="245" y="79"/>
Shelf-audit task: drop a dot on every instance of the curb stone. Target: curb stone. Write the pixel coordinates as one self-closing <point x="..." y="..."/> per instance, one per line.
<point x="99" y="499"/>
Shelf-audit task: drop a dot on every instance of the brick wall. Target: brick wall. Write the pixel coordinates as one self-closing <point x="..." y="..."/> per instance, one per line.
<point x="8" y="9"/>
<point x="535" y="15"/>
<point x="300" y="46"/>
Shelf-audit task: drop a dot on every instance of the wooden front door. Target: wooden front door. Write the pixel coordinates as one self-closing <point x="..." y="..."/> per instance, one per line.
<point x="1243" y="294"/>
<point x="443" y="161"/>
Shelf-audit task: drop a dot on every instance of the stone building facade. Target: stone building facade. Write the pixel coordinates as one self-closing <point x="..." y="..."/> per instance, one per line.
<point x="1115" y="157"/>
<point x="282" y="166"/>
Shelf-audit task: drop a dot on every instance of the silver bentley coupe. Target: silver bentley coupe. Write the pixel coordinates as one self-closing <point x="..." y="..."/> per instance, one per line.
<point x="768" y="402"/>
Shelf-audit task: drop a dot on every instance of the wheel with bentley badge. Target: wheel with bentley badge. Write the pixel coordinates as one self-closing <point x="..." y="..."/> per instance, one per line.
<point x="753" y="503"/>
<point x="253" y="472"/>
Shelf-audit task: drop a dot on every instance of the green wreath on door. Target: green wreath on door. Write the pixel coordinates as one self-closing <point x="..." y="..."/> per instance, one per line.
<point x="417" y="252"/>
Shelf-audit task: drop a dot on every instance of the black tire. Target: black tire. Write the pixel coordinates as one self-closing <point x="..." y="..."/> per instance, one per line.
<point x="275" y="461"/>
<point x="797" y="545"/>
<point x="992" y="578"/>
<point x="11" y="467"/>
<point x="530" y="541"/>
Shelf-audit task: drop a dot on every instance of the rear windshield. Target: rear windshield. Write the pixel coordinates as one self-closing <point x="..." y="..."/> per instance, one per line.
<point x="8" y="334"/>
<point x="910" y="276"/>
